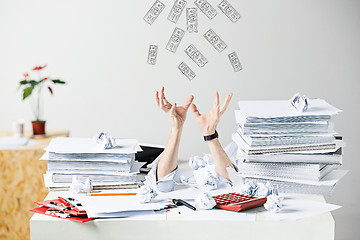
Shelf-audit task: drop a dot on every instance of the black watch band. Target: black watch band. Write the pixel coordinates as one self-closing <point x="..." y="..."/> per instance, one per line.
<point x="211" y="137"/>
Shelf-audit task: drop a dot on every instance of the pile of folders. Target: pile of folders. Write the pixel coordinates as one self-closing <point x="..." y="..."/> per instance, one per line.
<point x="82" y="157"/>
<point x="298" y="151"/>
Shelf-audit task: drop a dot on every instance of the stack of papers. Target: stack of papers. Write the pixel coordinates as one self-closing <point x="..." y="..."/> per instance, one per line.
<point x="83" y="157"/>
<point x="292" y="149"/>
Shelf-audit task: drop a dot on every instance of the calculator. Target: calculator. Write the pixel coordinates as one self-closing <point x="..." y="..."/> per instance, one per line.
<point x="237" y="202"/>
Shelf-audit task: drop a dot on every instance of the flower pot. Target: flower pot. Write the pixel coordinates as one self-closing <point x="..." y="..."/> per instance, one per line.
<point x="38" y="127"/>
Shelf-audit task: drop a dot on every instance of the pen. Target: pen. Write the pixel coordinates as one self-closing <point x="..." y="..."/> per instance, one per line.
<point x="112" y="194"/>
<point x="180" y="202"/>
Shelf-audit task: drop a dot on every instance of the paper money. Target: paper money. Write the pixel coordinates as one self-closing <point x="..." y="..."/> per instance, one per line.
<point x="215" y="40"/>
<point x="195" y="55"/>
<point x="175" y="40"/>
<point x="152" y="55"/>
<point x="206" y="8"/>
<point x="184" y="68"/>
<point x="191" y="20"/>
<point x="229" y="11"/>
<point x="234" y="60"/>
<point x="176" y="10"/>
<point x="154" y="12"/>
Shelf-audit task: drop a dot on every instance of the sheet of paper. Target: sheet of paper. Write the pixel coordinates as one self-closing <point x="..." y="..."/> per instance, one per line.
<point x="282" y="108"/>
<point x="89" y="145"/>
<point x="296" y="208"/>
<point x="112" y="204"/>
<point x="213" y="214"/>
<point x="131" y="215"/>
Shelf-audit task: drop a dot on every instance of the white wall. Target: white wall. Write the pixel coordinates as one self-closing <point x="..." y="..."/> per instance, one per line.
<point x="100" y="49"/>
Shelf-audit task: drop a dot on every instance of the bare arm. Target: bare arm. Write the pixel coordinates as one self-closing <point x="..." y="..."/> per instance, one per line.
<point x="177" y="117"/>
<point x="208" y="123"/>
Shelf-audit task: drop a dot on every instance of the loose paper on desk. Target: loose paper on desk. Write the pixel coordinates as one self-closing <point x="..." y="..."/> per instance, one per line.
<point x="114" y="204"/>
<point x="212" y="215"/>
<point x="296" y="208"/>
<point x="131" y="215"/>
<point x="89" y="145"/>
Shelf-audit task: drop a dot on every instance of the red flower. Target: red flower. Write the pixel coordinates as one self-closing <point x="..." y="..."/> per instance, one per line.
<point x="26" y="75"/>
<point x="46" y="78"/>
<point x="37" y="68"/>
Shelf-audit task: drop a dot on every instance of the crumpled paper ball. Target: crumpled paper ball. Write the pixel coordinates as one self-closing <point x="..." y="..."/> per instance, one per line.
<point x="262" y="190"/>
<point x="274" y="203"/>
<point x="249" y="188"/>
<point x="79" y="186"/>
<point x="204" y="201"/>
<point x="197" y="162"/>
<point x="300" y="103"/>
<point x="146" y="194"/>
<point x="105" y="140"/>
<point x="206" y="178"/>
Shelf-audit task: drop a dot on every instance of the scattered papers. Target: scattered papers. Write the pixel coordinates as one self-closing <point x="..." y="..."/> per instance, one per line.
<point x="297" y="208"/>
<point x="214" y="214"/>
<point x="117" y="204"/>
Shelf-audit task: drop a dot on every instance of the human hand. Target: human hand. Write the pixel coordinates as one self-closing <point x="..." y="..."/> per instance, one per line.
<point x="208" y="122"/>
<point x="177" y="115"/>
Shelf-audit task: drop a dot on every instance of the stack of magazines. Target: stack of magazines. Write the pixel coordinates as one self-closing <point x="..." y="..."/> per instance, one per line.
<point x="298" y="151"/>
<point x="82" y="157"/>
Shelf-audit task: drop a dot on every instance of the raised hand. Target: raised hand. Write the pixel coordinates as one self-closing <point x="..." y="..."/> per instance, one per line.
<point x="208" y="122"/>
<point x="177" y="115"/>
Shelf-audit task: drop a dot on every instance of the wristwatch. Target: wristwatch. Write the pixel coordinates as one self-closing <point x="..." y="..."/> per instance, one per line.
<point x="211" y="137"/>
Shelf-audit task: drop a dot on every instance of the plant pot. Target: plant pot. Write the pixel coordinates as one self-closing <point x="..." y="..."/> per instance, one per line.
<point x="38" y="127"/>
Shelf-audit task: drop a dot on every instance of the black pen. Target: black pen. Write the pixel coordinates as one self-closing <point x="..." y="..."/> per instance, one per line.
<point x="180" y="202"/>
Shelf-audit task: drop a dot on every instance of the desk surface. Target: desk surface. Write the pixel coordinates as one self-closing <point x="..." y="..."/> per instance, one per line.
<point x="174" y="227"/>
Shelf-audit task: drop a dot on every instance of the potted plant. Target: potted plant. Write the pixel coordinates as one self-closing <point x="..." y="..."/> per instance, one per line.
<point x="32" y="90"/>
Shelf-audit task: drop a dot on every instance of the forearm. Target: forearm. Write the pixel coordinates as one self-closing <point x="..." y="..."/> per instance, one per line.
<point x="168" y="160"/>
<point x="221" y="159"/>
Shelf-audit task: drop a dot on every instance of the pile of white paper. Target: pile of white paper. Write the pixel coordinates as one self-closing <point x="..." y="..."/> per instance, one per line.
<point x="295" y="150"/>
<point x="84" y="158"/>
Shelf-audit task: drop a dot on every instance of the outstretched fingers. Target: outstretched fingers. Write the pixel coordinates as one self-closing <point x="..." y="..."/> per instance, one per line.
<point x="195" y="110"/>
<point x="216" y="103"/>
<point x="188" y="102"/>
<point x="226" y="103"/>
<point x="157" y="100"/>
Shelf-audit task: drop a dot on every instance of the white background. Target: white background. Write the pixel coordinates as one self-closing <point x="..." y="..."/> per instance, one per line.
<point x="100" y="49"/>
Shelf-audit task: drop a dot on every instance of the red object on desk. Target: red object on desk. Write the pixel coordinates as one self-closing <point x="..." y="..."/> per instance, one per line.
<point x="67" y="211"/>
<point x="237" y="202"/>
<point x="43" y="209"/>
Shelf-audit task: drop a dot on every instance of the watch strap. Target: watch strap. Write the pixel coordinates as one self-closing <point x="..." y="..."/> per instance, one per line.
<point x="211" y="137"/>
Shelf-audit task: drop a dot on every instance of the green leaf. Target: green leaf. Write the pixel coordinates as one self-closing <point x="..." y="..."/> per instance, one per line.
<point x="27" y="92"/>
<point x="33" y="83"/>
<point x="23" y="82"/>
<point x="58" y="81"/>
<point x="51" y="91"/>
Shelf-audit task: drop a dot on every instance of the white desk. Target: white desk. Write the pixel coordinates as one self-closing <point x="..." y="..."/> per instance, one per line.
<point x="317" y="227"/>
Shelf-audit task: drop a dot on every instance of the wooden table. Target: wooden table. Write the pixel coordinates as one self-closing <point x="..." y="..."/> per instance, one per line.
<point x="21" y="183"/>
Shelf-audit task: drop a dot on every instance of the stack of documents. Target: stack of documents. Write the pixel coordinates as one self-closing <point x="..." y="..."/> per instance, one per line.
<point x="83" y="157"/>
<point x="295" y="150"/>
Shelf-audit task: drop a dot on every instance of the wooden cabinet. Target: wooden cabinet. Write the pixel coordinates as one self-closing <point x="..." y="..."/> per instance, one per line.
<point x="22" y="183"/>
